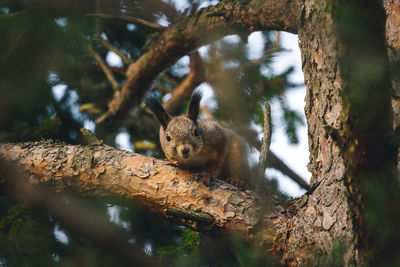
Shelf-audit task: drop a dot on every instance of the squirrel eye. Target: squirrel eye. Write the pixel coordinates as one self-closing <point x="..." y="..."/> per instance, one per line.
<point x="196" y="132"/>
<point x="168" y="138"/>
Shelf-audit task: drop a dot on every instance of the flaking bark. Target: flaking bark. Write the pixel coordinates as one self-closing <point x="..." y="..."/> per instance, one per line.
<point x="103" y="171"/>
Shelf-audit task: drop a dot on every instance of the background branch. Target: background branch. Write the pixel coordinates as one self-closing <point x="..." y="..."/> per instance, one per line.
<point x="265" y="143"/>
<point x="107" y="72"/>
<point x="127" y="18"/>
<point x="109" y="46"/>
<point x="205" y="26"/>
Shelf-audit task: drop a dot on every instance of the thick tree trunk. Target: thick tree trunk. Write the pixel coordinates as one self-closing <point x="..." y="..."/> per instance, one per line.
<point x="392" y="31"/>
<point x="346" y="137"/>
<point x="324" y="220"/>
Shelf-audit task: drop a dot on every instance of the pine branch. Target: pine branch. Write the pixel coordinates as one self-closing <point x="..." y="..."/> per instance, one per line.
<point x="103" y="171"/>
<point x="106" y="44"/>
<point x="107" y="72"/>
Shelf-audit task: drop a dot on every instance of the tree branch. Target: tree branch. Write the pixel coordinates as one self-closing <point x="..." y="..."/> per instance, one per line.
<point x="264" y="150"/>
<point x="176" y="193"/>
<point x="109" y="46"/>
<point x="107" y="72"/>
<point x="127" y="18"/>
<point x="205" y="26"/>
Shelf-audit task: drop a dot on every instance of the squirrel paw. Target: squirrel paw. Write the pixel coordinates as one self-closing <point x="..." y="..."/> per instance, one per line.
<point x="237" y="182"/>
<point x="204" y="177"/>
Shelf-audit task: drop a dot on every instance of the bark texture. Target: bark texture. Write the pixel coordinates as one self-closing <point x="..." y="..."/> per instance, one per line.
<point x="178" y="194"/>
<point x="346" y="137"/>
<point x="324" y="220"/>
<point x="392" y="30"/>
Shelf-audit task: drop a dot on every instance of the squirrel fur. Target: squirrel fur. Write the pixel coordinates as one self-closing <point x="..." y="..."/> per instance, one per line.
<point x="202" y="145"/>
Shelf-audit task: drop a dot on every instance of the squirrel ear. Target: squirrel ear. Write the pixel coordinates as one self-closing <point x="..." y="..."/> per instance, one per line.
<point x="159" y="111"/>
<point x="194" y="105"/>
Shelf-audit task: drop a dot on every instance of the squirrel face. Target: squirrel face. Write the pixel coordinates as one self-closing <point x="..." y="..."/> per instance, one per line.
<point x="181" y="139"/>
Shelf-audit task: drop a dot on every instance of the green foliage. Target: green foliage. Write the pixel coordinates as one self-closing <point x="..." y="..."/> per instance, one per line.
<point x="246" y="255"/>
<point x="382" y="218"/>
<point x="26" y="238"/>
<point x="291" y="119"/>
<point x="48" y="127"/>
<point x="185" y="251"/>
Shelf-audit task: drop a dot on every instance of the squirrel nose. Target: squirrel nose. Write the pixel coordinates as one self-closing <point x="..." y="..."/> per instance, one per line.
<point x="185" y="151"/>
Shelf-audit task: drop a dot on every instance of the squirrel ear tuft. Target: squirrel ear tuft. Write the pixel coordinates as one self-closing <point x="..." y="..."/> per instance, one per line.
<point x="194" y="105"/>
<point x="158" y="111"/>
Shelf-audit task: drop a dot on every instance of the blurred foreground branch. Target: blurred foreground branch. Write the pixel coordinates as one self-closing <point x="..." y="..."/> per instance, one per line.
<point x="72" y="213"/>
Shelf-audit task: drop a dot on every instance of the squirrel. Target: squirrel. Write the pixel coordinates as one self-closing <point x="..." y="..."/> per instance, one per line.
<point x="202" y="145"/>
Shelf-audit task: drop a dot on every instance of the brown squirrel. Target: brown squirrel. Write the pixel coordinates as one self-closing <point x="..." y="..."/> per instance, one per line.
<point x="202" y="145"/>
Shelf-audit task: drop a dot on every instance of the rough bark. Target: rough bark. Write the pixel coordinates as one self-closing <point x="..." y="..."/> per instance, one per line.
<point x="324" y="219"/>
<point x="345" y="137"/>
<point x="178" y="194"/>
<point x="392" y="31"/>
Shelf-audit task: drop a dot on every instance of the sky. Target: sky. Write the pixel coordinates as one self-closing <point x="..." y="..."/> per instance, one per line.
<point x="295" y="156"/>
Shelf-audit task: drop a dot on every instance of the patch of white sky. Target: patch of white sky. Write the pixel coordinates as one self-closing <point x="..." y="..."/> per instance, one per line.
<point x="130" y="27"/>
<point x="123" y="142"/>
<point x="295" y="156"/>
<point x="255" y="46"/>
<point x="182" y="65"/>
<point x="61" y="21"/>
<point x="59" y="91"/>
<point x="4" y="10"/>
<point x="60" y="235"/>
<point x="183" y="4"/>
<point x="163" y="20"/>
<point x="113" y="60"/>
<point x="147" y="248"/>
<point x="114" y="213"/>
